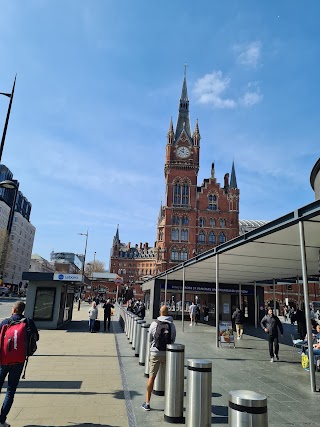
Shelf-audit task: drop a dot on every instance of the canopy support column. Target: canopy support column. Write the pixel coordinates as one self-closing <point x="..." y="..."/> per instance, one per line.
<point x="255" y="306"/>
<point x="240" y="300"/>
<point x="306" y="305"/>
<point x="217" y="301"/>
<point x="165" y="290"/>
<point x="298" y="283"/>
<point x="183" y="294"/>
<point x="274" y="297"/>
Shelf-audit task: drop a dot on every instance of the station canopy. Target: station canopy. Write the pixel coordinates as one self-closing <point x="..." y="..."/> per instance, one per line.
<point x="272" y="251"/>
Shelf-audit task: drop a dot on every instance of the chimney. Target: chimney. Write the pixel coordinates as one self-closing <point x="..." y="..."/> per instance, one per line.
<point x="140" y="245"/>
<point x="212" y="170"/>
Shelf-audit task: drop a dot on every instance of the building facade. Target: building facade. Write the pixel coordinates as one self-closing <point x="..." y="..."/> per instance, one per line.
<point x="66" y="262"/>
<point x="193" y="219"/>
<point x="40" y="265"/>
<point x="18" y="246"/>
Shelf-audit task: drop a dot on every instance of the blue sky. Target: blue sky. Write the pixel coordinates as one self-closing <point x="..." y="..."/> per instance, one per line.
<point x="99" y="80"/>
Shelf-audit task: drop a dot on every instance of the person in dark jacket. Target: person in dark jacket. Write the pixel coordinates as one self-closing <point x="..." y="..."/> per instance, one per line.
<point x="141" y="312"/>
<point x="270" y="324"/>
<point x="13" y="371"/>
<point x="107" y="314"/>
<point x="302" y="324"/>
<point x="238" y="320"/>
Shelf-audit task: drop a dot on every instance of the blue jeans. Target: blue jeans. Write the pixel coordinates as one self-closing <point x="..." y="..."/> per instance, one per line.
<point x="91" y="325"/>
<point x="14" y="372"/>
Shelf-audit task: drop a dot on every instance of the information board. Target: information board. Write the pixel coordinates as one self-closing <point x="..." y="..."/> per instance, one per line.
<point x="226" y="333"/>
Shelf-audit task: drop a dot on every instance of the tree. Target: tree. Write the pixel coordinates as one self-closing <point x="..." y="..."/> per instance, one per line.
<point x="94" y="267"/>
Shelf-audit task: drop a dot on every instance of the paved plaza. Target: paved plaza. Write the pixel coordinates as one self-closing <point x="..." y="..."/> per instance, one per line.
<point x="82" y="379"/>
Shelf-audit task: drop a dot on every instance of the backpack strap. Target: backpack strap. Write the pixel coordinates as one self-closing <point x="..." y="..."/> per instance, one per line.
<point x="25" y="368"/>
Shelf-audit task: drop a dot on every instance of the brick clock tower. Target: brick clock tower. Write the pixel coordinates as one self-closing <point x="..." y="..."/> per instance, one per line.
<point x="193" y="219"/>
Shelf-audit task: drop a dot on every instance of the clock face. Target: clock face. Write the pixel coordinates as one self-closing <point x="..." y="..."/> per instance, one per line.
<point x="183" y="152"/>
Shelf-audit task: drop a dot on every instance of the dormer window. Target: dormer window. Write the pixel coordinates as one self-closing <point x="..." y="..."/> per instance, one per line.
<point x="212" y="202"/>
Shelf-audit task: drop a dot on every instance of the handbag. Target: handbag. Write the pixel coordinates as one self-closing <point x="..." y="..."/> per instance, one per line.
<point x="304" y="361"/>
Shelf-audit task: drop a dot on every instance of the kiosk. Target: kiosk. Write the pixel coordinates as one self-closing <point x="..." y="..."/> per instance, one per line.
<point x="50" y="297"/>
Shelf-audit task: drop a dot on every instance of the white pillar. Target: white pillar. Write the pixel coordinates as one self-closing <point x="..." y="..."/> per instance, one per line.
<point x="306" y="304"/>
<point x="165" y="290"/>
<point x="240" y="299"/>
<point x="274" y="297"/>
<point x="183" y="292"/>
<point x="217" y="300"/>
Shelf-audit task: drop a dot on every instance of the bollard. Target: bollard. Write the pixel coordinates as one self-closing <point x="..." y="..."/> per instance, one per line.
<point x="131" y="328"/>
<point x="146" y="366"/>
<point x="199" y="392"/>
<point x="143" y="342"/>
<point x="129" y="324"/>
<point x="138" y="337"/>
<point x="173" y="406"/>
<point x="247" y="408"/>
<point x="134" y="336"/>
<point x="159" y="382"/>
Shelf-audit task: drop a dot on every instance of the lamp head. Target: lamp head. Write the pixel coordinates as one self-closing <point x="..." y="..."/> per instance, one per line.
<point x="11" y="185"/>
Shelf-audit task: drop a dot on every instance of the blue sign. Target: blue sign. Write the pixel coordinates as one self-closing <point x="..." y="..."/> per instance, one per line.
<point x="61" y="276"/>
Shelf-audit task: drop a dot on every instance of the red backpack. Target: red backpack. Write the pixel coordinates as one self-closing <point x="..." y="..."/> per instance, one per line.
<point x="13" y="342"/>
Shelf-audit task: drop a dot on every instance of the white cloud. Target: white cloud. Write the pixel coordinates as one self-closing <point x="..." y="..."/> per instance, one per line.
<point x="249" y="54"/>
<point x="210" y="89"/>
<point x="250" y="98"/>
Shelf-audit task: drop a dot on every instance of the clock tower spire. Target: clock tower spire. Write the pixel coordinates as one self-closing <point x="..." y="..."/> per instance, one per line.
<point x="183" y="122"/>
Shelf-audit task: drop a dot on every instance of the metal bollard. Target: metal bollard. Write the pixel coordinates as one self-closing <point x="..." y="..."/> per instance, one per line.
<point x="173" y="406"/>
<point x="129" y="324"/>
<point x="134" y="336"/>
<point x="160" y="381"/>
<point x="199" y="393"/>
<point x="138" y="337"/>
<point x="131" y="328"/>
<point x="143" y="342"/>
<point x="146" y="366"/>
<point x="247" y="408"/>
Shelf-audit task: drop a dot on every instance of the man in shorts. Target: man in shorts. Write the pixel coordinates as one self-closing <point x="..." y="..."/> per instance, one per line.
<point x="158" y="356"/>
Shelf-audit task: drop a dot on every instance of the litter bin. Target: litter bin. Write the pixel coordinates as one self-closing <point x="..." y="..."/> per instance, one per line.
<point x="247" y="408"/>
<point x="143" y="343"/>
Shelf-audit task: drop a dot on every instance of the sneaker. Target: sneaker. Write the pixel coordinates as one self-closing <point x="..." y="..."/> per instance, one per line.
<point x="272" y="359"/>
<point x="146" y="406"/>
<point x="190" y="324"/>
<point x="277" y="357"/>
<point x="238" y="338"/>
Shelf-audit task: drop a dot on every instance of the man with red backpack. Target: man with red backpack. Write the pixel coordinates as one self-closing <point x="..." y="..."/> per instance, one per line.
<point x="162" y="332"/>
<point x="18" y="337"/>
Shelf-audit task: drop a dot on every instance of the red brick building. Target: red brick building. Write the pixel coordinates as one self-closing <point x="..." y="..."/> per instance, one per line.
<point x="193" y="219"/>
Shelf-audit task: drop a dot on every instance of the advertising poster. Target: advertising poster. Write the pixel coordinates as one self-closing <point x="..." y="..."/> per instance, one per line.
<point x="226" y="332"/>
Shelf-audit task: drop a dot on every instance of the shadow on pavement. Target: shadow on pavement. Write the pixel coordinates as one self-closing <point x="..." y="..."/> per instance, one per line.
<point x="118" y="394"/>
<point x="222" y="414"/>
<point x="73" y="425"/>
<point x="73" y="385"/>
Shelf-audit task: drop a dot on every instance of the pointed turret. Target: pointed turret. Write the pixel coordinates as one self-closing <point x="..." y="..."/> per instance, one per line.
<point x="160" y="213"/>
<point x="196" y="134"/>
<point x="170" y="134"/>
<point x="116" y="238"/>
<point x="183" y="122"/>
<point x="233" y="179"/>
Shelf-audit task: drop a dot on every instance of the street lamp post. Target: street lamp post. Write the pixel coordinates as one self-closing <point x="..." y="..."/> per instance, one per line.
<point x="83" y="264"/>
<point x="10" y="185"/>
<point x="9" y="95"/>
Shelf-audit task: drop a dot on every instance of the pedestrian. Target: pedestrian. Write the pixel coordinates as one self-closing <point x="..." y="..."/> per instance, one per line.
<point x="206" y="313"/>
<point x="192" y="311"/>
<point x="107" y="314"/>
<point x="301" y="322"/>
<point x="93" y="315"/>
<point x="270" y="324"/>
<point x="197" y="319"/>
<point x="14" y="371"/>
<point x="238" y="320"/>
<point x="142" y="310"/>
<point x="162" y="332"/>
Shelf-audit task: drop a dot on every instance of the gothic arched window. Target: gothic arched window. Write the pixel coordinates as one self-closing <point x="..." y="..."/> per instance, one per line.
<point x="202" y="222"/>
<point x="174" y="254"/>
<point x="212" y="237"/>
<point x="201" y="237"/>
<point x="222" y="222"/>
<point x="222" y="238"/>
<point x="212" y="222"/>
<point x="175" y="220"/>
<point x="184" y="254"/>
<point x="175" y="234"/>
<point x="184" y="235"/>
<point x="185" y="220"/>
<point x="185" y="194"/>
<point x="212" y="202"/>
<point x="177" y="194"/>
